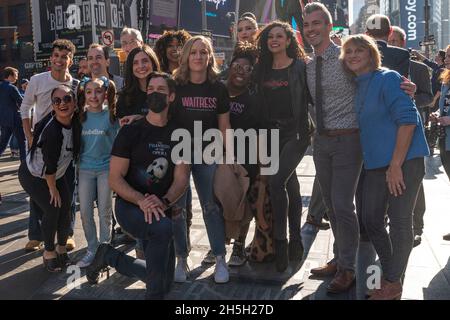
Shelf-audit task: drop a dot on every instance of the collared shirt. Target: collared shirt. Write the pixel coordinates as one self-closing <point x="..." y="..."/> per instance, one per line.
<point x="338" y="91"/>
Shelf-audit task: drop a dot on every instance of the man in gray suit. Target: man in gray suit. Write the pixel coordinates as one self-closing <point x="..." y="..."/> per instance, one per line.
<point x="420" y="75"/>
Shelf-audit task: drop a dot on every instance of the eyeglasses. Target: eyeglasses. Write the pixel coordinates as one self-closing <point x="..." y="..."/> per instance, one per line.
<point x="238" y="68"/>
<point x="125" y="43"/>
<point x="66" y="99"/>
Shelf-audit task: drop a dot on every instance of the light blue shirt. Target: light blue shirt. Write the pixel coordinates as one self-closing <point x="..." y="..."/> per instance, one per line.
<point x="97" y="137"/>
<point x="383" y="107"/>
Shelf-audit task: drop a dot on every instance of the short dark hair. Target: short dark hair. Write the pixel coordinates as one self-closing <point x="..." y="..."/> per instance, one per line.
<point x="169" y="80"/>
<point x="64" y="44"/>
<point x="378" y="26"/>
<point x="441" y="53"/>
<point x="105" y="49"/>
<point x="9" y="71"/>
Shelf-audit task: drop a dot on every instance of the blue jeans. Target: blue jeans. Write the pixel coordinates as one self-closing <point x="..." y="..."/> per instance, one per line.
<point x="5" y="136"/>
<point x="179" y="228"/>
<point x="203" y="175"/>
<point x="14" y="143"/>
<point x="93" y="185"/>
<point x="158" y="269"/>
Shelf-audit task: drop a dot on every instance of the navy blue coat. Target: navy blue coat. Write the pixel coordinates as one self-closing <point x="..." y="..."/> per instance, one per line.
<point x="394" y="58"/>
<point x="10" y="101"/>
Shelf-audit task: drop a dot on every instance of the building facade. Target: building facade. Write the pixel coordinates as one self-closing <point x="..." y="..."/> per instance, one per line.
<point x="16" y="50"/>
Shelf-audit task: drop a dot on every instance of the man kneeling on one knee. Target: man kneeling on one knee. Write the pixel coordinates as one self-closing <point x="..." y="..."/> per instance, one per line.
<point x="149" y="185"/>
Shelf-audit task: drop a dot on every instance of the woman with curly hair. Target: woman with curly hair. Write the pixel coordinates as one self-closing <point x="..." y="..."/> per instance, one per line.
<point x="282" y="93"/>
<point x="168" y="49"/>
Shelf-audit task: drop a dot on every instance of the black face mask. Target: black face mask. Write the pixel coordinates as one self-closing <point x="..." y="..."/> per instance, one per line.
<point x="157" y="101"/>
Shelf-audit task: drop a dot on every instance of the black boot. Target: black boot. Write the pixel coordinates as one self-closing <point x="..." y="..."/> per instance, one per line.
<point x="281" y="255"/>
<point x="295" y="250"/>
<point x="99" y="264"/>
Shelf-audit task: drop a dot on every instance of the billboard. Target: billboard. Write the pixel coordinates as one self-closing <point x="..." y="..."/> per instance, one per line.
<point x="164" y="12"/>
<point x="74" y="20"/>
<point x="412" y="20"/>
<point x="219" y="13"/>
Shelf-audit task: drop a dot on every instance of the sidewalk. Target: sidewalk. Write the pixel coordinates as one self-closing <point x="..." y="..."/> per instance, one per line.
<point x="23" y="277"/>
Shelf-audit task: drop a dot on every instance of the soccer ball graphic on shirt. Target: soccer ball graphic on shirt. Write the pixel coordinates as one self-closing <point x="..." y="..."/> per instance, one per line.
<point x="157" y="169"/>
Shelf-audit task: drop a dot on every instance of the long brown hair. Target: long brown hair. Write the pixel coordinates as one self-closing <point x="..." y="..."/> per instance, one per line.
<point x="293" y="51"/>
<point x="110" y="88"/>
<point x="163" y="42"/>
<point x="445" y="76"/>
<point x="131" y="89"/>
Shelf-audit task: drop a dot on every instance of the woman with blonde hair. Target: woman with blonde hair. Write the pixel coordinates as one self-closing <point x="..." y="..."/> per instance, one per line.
<point x="202" y="99"/>
<point x="394" y="146"/>
<point x="442" y="117"/>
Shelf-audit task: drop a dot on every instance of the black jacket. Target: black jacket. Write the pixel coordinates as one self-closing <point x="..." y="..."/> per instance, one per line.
<point x="421" y="77"/>
<point x="300" y="98"/>
<point x="394" y="58"/>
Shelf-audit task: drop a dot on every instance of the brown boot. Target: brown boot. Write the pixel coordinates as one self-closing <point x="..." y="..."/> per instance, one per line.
<point x="388" y="291"/>
<point x="325" y="271"/>
<point x="342" y="281"/>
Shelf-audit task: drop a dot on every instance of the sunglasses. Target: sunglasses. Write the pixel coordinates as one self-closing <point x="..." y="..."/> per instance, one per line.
<point x="66" y="99"/>
<point x="238" y="68"/>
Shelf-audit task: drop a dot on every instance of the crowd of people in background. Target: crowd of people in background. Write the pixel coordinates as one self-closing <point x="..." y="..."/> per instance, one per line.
<point x="370" y="110"/>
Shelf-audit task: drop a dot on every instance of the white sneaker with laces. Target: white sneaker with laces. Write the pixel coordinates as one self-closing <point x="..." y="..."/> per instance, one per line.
<point x="181" y="270"/>
<point x="86" y="260"/>
<point x="221" y="274"/>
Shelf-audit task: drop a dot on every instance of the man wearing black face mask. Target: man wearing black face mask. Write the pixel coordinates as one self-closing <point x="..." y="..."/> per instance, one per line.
<point x="150" y="188"/>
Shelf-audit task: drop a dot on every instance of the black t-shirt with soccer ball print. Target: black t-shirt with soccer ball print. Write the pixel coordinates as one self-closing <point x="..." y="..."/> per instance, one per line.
<point x="149" y="149"/>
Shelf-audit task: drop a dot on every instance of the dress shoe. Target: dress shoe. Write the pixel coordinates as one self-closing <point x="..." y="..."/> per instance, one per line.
<point x="446" y="237"/>
<point x="98" y="265"/>
<point x="295" y="250"/>
<point x="320" y="225"/>
<point x="281" y="255"/>
<point x="342" y="281"/>
<point x="388" y="291"/>
<point x="329" y="269"/>
<point x="70" y="244"/>
<point x="417" y="240"/>
<point x="33" y="245"/>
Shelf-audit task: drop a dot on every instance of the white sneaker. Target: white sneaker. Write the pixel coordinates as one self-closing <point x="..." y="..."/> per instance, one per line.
<point x="221" y="274"/>
<point x="86" y="260"/>
<point x="181" y="270"/>
<point x="209" y="258"/>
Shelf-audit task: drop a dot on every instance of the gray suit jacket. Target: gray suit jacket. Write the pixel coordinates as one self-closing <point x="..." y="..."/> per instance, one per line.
<point x="421" y="77"/>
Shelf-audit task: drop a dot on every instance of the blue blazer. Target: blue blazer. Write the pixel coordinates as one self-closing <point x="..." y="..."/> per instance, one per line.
<point x="394" y="58"/>
<point x="10" y="101"/>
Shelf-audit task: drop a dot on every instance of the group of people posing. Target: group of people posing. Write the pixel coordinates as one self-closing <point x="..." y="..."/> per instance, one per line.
<point x="364" y="126"/>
